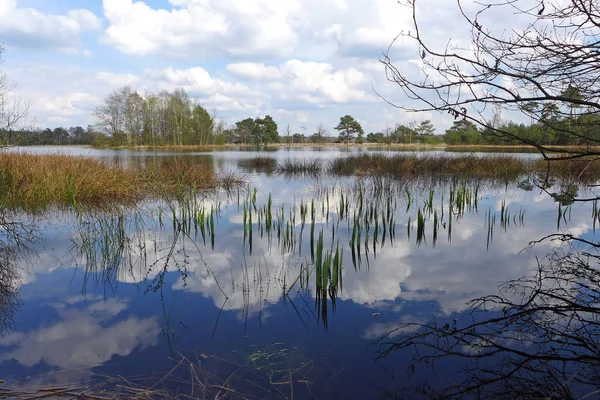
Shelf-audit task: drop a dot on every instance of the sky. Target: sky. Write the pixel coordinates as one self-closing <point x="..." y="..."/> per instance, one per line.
<point x="304" y="62"/>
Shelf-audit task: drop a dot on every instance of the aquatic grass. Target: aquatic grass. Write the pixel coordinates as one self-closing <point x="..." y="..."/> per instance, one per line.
<point x="595" y="214"/>
<point x="490" y="221"/>
<point x="500" y="168"/>
<point x="586" y="169"/>
<point x="33" y="182"/>
<point x="259" y="163"/>
<point x="36" y="182"/>
<point x="420" y="227"/>
<point x="407" y="166"/>
<point x="300" y="167"/>
<point x="176" y="176"/>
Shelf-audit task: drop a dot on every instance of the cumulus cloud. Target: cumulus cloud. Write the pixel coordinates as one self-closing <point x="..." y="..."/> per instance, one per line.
<point x="254" y="71"/>
<point x="229" y="28"/>
<point x="201" y="28"/>
<point x="28" y="27"/>
<point x="311" y="82"/>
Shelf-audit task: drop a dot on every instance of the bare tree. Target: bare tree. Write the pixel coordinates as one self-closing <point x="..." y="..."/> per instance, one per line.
<point x="133" y="113"/>
<point x="13" y="109"/>
<point x="110" y="115"/>
<point x="552" y="60"/>
<point x="287" y="133"/>
<point x="320" y="133"/>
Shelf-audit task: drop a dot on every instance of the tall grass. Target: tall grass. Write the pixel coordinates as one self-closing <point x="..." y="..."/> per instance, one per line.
<point x="259" y="163"/>
<point x="407" y="166"/>
<point x="300" y="167"/>
<point x="34" y="182"/>
<point x="504" y="167"/>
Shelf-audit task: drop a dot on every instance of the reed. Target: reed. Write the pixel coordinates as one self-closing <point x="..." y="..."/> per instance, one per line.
<point x="581" y="170"/>
<point x="412" y="166"/>
<point x="36" y="182"/>
<point x="504" y="168"/>
<point x="300" y="167"/>
<point x="259" y="163"/>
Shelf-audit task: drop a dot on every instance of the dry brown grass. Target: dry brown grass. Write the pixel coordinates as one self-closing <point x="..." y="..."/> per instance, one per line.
<point x="33" y="182"/>
<point x="581" y="169"/>
<point x="410" y="166"/>
<point x="505" y="167"/>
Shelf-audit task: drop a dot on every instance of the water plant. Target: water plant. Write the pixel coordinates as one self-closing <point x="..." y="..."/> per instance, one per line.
<point x="300" y="167"/>
<point x="35" y="182"/>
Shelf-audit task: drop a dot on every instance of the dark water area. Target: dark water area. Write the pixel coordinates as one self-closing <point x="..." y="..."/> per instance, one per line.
<point x="289" y="287"/>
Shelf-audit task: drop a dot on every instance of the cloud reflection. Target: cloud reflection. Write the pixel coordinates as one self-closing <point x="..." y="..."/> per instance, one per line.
<point x="83" y="337"/>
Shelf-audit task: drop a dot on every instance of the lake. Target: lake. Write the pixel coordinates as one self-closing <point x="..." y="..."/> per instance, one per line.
<point x="292" y="286"/>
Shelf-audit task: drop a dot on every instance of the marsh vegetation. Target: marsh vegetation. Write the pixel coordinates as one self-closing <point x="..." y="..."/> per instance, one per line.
<point x="34" y="182"/>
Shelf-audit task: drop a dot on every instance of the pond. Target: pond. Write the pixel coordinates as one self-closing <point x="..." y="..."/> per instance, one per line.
<point x="292" y="286"/>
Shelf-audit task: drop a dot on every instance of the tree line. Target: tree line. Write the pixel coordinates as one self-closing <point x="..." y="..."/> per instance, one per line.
<point x="127" y="118"/>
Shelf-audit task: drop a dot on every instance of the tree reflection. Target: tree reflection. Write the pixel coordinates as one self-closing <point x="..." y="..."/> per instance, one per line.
<point x="15" y="238"/>
<point x="539" y="337"/>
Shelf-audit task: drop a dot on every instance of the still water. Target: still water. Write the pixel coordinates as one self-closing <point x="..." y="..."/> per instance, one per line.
<point x="288" y="287"/>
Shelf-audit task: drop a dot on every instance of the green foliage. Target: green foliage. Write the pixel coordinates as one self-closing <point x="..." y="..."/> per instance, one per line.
<point x="376" y="137"/>
<point x="58" y="136"/>
<point x="424" y="128"/>
<point x="347" y="128"/>
<point x="220" y="139"/>
<point x="169" y="118"/>
<point x="298" y="138"/>
<point x="463" y="132"/>
<point x="548" y="126"/>
<point x="402" y="134"/>
<point x="255" y="131"/>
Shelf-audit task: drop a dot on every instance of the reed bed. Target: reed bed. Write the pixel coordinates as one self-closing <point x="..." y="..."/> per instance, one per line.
<point x="583" y="169"/>
<point x="411" y="166"/>
<point x="505" y="167"/>
<point x="259" y="163"/>
<point x="300" y="167"/>
<point x="35" y="182"/>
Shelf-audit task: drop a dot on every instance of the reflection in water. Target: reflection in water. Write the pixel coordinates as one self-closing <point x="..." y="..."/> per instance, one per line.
<point x="9" y="289"/>
<point x="539" y="337"/>
<point x="257" y="164"/>
<point x="85" y="336"/>
<point x="358" y="257"/>
<point x="16" y="237"/>
<point x="247" y="250"/>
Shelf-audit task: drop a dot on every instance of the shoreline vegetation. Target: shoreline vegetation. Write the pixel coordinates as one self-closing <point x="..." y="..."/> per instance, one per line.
<point x="419" y="146"/>
<point x="498" y="168"/>
<point x="36" y="182"/>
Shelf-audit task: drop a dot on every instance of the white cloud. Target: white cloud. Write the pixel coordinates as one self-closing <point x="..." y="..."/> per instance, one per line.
<point x="201" y="28"/>
<point x="229" y="28"/>
<point x="28" y="27"/>
<point x="254" y="71"/>
<point x="302" y="117"/>
<point x="309" y="82"/>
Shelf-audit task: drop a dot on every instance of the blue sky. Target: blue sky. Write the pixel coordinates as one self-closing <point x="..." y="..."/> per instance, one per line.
<point x="305" y="62"/>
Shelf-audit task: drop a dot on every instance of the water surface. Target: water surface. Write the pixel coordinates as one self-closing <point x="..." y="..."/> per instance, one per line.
<point x="155" y="295"/>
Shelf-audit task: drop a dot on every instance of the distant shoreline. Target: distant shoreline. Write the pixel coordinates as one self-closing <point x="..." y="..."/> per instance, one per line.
<point x="416" y="146"/>
<point x="395" y="146"/>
